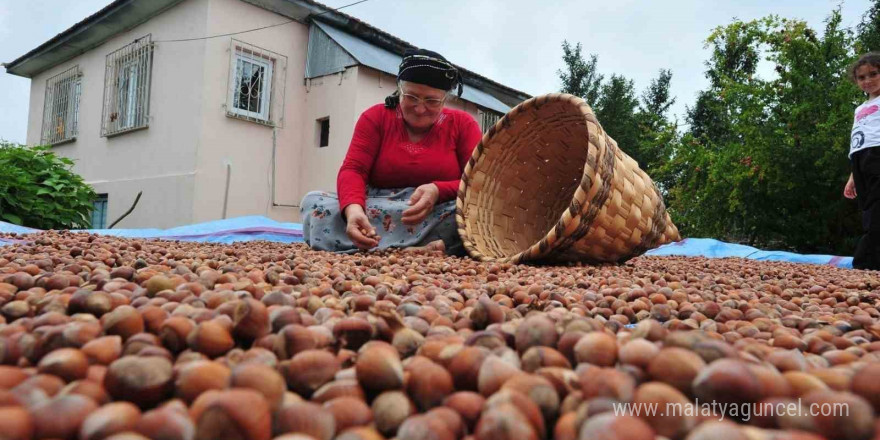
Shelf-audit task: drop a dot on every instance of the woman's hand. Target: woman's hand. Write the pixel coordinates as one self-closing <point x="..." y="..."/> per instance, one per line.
<point x="359" y="229"/>
<point x="849" y="191"/>
<point x="421" y="203"/>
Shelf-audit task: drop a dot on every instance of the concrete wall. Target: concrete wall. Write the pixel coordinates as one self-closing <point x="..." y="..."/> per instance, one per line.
<point x="243" y="145"/>
<point x="160" y="160"/>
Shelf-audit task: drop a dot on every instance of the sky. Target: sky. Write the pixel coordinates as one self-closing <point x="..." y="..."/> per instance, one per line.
<point x="515" y="42"/>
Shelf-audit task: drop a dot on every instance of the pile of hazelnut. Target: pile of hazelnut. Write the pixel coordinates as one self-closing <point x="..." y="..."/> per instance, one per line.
<point x="111" y="338"/>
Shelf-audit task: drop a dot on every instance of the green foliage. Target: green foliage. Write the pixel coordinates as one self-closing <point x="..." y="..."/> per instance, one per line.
<point x="581" y="77"/>
<point x="765" y="159"/>
<point x="39" y="190"/>
<point x="868" y="31"/>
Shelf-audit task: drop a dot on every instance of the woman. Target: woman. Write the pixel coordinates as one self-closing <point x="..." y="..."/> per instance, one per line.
<point x="397" y="184"/>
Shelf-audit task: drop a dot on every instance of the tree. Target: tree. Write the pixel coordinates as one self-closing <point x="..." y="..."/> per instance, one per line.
<point x="657" y="133"/>
<point x="39" y="190"/>
<point x="764" y="160"/>
<point x="615" y="110"/>
<point x="581" y="77"/>
<point x="868" y="30"/>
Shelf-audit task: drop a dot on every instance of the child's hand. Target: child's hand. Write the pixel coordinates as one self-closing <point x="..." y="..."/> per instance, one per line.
<point x="849" y="191"/>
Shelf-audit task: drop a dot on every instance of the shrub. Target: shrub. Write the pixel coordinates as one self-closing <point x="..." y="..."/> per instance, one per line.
<point x="39" y="190"/>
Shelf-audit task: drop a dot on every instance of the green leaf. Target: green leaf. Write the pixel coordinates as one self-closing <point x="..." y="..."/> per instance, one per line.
<point x="12" y="218"/>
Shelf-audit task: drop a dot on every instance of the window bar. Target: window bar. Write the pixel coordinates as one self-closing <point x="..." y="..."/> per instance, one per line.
<point x="60" y="107"/>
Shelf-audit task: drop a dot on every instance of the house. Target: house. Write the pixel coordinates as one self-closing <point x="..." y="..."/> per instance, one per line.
<point x="170" y="98"/>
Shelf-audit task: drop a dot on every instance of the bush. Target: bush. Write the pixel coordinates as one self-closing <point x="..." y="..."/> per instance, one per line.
<point x="39" y="190"/>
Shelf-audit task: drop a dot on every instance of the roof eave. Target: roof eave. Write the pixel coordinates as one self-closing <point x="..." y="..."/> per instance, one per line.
<point x="119" y="16"/>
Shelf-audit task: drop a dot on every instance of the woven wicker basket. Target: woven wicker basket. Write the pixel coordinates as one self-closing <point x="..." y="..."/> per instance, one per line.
<point x="547" y="184"/>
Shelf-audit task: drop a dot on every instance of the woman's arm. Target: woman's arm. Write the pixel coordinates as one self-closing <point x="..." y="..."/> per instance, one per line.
<point x="469" y="136"/>
<point x="351" y="182"/>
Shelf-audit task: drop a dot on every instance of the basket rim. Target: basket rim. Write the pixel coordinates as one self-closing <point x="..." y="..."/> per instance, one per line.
<point x="550" y="243"/>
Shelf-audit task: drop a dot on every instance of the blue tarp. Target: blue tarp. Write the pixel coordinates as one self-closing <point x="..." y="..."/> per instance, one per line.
<point x="707" y="247"/>
<point x="219" y="231"/>
<point x="262" y="228"/>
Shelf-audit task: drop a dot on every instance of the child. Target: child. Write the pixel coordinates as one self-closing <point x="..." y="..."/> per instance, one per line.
<point x="865" y="178"/>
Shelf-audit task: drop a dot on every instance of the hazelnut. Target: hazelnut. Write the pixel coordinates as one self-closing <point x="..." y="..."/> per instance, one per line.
<point x="262" y="378"/>
<point x="596" y="348"/>
<point x="292" y="339"/>
<point x="661" y="395"/>
<point x="116" y="417"/>
<point x="536" y="330"/>
<point x="727" y="381"/>
<point x="378" y="367"/>
<point x="61" y="416"/>
<point x="88" y="388"/>
<point x="194" y="378"/>
<point x="611" y="427"/>
<point x="390" y="409"/>
<point x="467" y="404"/>
<point x="349" y="412"/>
<point x="422" y="427"/>
<point x="339" y="388"/>
<point x="144" y="381"/>
<point x="16" y="423"/>
<point x="504" y="421"/>
<point x="352" y="333"/>
<point x="465" y="367"/>
<point x="235" y="413"/>
<point x="527" y="410"/>
<point x="67" y="363"/>
<point x="305" y="418"/>
<point x="540" y="356"/>
<point x="250" y="320"/>
<point x="864" y="384"/>
<point x="11" y="376"/>
<point x="308" y="370"/>
<point x="493" y="373"/>
<point x="538" y="390"/>
<point x="124" y="321"/>
<point x="103" y="350"/>
<point x="677" y="367"/>
<point x="166" y="422"/>
<point x="210" y="338"/>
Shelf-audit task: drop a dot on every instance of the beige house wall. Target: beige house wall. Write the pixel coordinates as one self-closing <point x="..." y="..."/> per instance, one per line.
<point x="160" y="160"/>
<point x="181" y="161"/>
<point x="246" y="147"/>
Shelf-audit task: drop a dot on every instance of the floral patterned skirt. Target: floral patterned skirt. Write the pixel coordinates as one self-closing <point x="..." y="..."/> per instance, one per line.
<point x="324" y="226"/>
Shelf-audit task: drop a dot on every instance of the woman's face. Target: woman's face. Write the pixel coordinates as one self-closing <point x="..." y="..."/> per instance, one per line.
<point x="420" y="104"/>
<point x="868" y="79"/>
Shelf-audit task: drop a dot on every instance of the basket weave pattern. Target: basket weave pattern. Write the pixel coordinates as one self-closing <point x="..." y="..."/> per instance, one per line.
<point x="547" y="184"/>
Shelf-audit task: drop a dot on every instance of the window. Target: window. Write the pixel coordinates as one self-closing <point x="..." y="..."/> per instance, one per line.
<point x="99" y="212"/>
<point x="323" y="132"/>
<point x="61" y="107"/>
<point x="127" y="88"/>
<point x="488" y="119"/>
<point x="253" y="84"/>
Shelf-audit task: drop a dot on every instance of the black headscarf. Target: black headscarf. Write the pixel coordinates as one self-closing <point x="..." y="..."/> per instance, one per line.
<point x="426" y="67"/>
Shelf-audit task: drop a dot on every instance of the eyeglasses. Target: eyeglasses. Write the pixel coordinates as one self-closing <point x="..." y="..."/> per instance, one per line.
<point x="429" y="103"/>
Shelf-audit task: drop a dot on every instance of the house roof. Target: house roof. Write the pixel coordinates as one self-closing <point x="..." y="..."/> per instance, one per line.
<point x="370" y="55"/>
<point x="118" y="16"/>
<point x="121" y="15"/>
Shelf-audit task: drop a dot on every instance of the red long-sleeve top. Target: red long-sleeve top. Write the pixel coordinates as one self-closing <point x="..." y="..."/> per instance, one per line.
<point x="381" y="154"/>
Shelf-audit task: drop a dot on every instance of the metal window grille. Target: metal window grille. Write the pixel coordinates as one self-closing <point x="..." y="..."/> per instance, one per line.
<point x="61" y="107"/>
<point x="99" y="212"/>
<point x="127" y="88"/>
<point x="488" y="119"/>
<point x="256" y="84"/>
